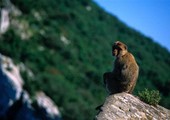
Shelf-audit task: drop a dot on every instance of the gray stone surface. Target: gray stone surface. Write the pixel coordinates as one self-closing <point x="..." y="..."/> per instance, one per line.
<point x="124" y="106"/>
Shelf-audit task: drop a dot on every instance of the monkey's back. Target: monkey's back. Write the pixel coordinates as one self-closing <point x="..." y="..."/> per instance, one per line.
<point x="126" y="70"/>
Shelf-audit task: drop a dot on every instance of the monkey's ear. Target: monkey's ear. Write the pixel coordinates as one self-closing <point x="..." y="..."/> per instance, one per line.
<point x="117" y="43"/>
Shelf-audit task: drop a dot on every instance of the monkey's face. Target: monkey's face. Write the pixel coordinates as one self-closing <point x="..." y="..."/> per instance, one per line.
<point x="114" y="52"/>
<point x="119" y="49"/>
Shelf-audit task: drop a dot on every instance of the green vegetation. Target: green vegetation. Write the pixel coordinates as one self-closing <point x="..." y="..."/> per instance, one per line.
<point x="68" y="48"/>
<point x="151" y="97"/>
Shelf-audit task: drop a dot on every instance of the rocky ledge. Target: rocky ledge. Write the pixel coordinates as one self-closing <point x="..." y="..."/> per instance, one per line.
<point x="123" y="106"/>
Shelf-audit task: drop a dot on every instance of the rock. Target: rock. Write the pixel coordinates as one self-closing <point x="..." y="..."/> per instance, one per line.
<point x="4" y="22"/>
<point x="12" y="73"/>
<point x="15" y="102"/>
<point x="10" y="84"/>
<point x="47" y="107"/>
<point x="7" y="9"/>
<point x="124" y="106"/>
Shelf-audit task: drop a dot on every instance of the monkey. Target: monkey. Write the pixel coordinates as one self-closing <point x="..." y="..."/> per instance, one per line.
<point x="125" y="73"/>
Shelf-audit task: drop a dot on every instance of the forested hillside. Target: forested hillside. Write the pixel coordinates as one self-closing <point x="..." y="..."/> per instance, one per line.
<point x="67" y="46"/>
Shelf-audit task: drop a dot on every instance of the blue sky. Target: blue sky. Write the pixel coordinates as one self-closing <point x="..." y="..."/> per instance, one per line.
<point x="150" y="17"/>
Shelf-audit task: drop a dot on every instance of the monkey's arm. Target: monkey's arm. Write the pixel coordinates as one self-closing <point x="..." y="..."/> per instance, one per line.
<point x="130" y="75"/>
<point x="127" y="72"/>
<point x="129" y="68"/>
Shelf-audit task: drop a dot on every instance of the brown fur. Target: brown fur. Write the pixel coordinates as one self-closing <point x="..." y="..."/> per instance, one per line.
<point x="125" y="73"/>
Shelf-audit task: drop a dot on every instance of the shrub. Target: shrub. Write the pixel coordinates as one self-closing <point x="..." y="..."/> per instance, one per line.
<point x="151" y="97"/>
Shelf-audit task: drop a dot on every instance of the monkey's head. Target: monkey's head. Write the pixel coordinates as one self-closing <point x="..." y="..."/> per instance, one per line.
<point x="119" y="49"/>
